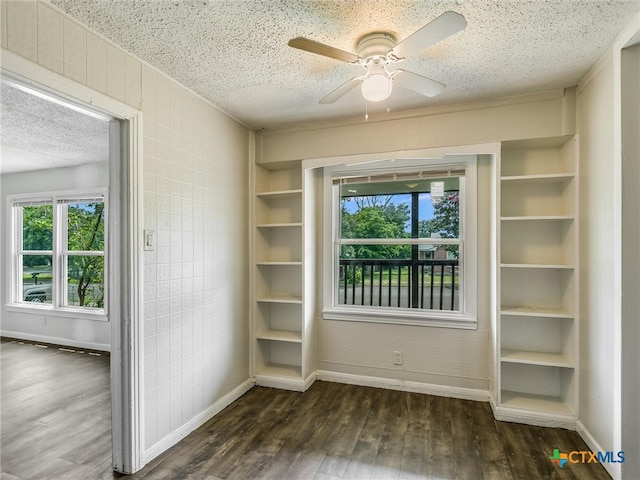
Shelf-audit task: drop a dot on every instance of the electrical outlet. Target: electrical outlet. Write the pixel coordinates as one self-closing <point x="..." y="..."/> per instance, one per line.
<point x="397" y="357"/>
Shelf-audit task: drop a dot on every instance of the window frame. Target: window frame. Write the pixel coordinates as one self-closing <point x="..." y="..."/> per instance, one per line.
<point x="60" y="254"/>
<point x="466" y="317"/>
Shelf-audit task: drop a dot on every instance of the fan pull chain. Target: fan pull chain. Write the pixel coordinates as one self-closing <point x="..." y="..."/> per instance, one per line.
<point x="366" y="111"/>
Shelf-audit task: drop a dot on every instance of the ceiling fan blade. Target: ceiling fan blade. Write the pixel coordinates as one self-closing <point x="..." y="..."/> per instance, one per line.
<point x="318" y="48"/>
<point x="341" y="90"/>
<point x="423" y="85"/>
<point x="445" y="25"/>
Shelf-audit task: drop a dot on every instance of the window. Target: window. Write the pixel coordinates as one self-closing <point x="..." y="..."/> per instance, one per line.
<point x="59" y="254"/>
<point x="402" y="248"/>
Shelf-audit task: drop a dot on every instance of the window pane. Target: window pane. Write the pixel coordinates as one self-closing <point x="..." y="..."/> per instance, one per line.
<point x="85" y="281"/>
<point x="36" y="278"/>
<point x="375" y="216"/>
<point x="439" y="216"/>
<point x="385" y="252"/>
<point x="388" y="209"/>
<point x="85" y="226"/>
<point x="37" y="227"/>
<point x="405" y="276"/>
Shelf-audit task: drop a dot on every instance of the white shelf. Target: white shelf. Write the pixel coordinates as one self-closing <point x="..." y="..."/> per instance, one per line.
<point x="537" y="265"/>
<point x="538" y="218"/>
<point x="541" y="178"/>
<point x="535" y="312"/>
<point x="279" y="299"/>
<point x="278" y="263"/>
<point x="528" y="401"/>
<point x="280" y="225"/>
<point x="280" y="336"/>
<point x="280" y="194"/>
<point x="536" y="358"/>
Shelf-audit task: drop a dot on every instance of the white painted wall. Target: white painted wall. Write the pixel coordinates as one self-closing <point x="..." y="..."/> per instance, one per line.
<point x="597" y="269"/>
<point x="450" y="359"/>
<point x="630" y="65"/>
<point x="196" y="294"/>
<point x="542" y="115"/>
<point x="195" y="167"/>
<point x="71" y="331"/>
<point x="608" y="116"/>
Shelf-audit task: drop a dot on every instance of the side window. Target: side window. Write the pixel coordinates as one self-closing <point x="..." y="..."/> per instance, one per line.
<point x="60" y="252"/>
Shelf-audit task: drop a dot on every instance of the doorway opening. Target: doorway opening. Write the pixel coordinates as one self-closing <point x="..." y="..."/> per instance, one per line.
<point x="67" y="231"/>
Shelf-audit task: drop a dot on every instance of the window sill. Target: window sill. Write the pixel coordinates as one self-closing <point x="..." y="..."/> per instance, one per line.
<point x="83" y="314"/>
<point x="401" y="317"/>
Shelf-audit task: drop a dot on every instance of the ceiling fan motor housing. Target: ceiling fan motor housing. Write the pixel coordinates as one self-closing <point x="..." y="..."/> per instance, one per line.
<point x="376" y="44"/>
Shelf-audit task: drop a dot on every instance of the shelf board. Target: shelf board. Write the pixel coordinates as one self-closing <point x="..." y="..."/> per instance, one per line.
<point x="279" y="299"/>
<point x="280" y="370"/>
<point x="550" y="266"/>
<point x="277" y="262"/>
<point x="535" y="312"/>
<point x="537" y="218"/>
<point x="536" y="358"/>
<point x="280" y="336"/>
<point x="540" y="178"/>
<point x="530" y="401"/>
<point x="279" y="225"/>
<point x="280" y="194"/>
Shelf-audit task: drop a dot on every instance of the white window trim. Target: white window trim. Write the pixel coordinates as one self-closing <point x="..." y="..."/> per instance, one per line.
<point x="467" y="317"/>
<point x="53" y="310"/>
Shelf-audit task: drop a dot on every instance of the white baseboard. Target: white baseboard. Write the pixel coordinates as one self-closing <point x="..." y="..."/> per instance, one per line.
<point x="285" y="383"/>
<point x="404" y="386"/>
<point x="587" y="437"/>
<point x="614" y="469"/>
<point x="530" y="417"/>
<point x="197" y="421"/>
<point x="65" y="342"/>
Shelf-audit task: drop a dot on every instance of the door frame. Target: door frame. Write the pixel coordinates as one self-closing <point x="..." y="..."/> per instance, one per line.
<point x="125" y="299"/>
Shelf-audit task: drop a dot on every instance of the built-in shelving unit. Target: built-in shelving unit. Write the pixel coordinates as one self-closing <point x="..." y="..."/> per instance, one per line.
<point x="537" y="318"/>
<point x="281" y="328"/>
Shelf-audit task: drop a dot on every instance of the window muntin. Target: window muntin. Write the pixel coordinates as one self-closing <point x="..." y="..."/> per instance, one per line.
<point x="398" y="242"/>
<point x="60" y="252"/>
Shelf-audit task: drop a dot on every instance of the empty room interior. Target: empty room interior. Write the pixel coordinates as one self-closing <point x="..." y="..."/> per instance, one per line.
<point x="320" y="239"/>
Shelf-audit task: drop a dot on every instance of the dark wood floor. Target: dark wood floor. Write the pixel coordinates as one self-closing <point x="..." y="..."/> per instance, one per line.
<point x="56" y="412"/>
<point x="332" y="431"/>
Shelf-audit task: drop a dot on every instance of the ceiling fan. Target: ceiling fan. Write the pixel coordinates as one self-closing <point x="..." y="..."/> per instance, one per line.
<point x="379" y="51"/>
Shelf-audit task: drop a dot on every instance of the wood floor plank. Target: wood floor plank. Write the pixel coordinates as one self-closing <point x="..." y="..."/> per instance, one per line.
<point x="413" y="463"/>
<point x="440" y="455"/>
<point x="468" y="462"/>
<point x="364" y="454"/>
<point x="342" y="441"/>
<point x="494" y="462"/>
<point x="389" y="458"/>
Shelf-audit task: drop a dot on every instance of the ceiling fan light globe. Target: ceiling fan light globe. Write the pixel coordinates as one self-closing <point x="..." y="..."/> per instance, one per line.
<point x="377" y="87"/>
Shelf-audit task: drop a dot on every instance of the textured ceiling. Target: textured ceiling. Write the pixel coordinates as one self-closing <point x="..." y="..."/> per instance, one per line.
<point x="235" y="53"/>
<point x="38" y="134"/>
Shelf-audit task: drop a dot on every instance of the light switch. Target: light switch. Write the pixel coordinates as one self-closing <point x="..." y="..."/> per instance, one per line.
<point x="149" y="239"/>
